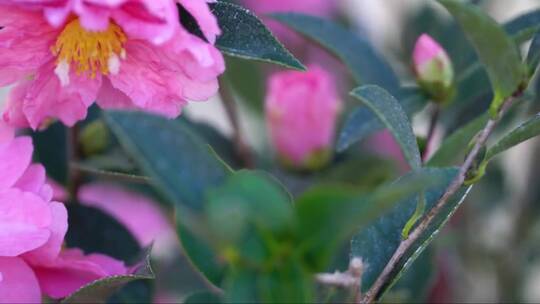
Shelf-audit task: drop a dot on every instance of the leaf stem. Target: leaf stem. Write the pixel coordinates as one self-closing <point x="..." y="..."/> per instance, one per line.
<point x="371" y="295"/>
<point x="229" y="102"/>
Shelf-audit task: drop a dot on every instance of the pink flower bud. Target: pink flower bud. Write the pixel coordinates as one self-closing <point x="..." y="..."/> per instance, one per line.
<point x="433" y="68"/>
<point x="301" y="113"/>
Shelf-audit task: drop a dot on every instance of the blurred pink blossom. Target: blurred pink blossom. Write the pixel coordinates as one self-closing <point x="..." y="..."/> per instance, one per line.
<point x="301" y="113"/>
<point x="65" y="54"/>
<point x="433" y="67"/>
<point x="139" y="214"/>
<point x="321" y="8"/>
<point x="32" y="230"/>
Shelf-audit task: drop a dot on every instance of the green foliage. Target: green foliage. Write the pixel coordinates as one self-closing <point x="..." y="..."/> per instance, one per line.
<point x="185" y="167"/>
<point x="523" y="27"/>
<point x="496" y="50"/>
<point x="392" y="115"/>
<point x="533" y="57"/>
<point x="376" y="243"/>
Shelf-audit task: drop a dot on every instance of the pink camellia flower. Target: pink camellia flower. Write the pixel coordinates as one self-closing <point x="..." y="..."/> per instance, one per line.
<point x="321" y="8"/>
<point x="65" y="54"/>
<point x="301" y="113"/>
<point x="433" y="68"/>
<point x="32" y="230"/>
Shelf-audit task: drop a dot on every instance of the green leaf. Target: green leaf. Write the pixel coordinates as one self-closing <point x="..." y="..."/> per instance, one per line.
<point x="376" y="243"/>
<point x="523" y="27"/>
<point x="99" y="291"/>
<point x="245" y="36"/>
<point x="496" y="50"/>
<point x="181" y="167"/>
<point x="362" y="122"/>
<point x="178" y="161"/>
<point x="533" y="57"/>
<point x="366" y="65"/>
<point x="524" y="132"/>
<point x="457" y="143"/>
<point x="248" y="200"/>
<point x="392" y="115"/>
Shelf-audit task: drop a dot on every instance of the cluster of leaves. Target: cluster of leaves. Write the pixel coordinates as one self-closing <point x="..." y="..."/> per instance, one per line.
<point x="243" y="230"/>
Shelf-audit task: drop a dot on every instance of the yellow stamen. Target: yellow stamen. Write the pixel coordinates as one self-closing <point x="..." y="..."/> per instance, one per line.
<point x="90" y="51"/>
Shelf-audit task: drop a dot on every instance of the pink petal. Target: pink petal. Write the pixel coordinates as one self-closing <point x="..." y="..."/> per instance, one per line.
<point x="206" y="20"/>
<point x="58" y="228"/>
<point x="6" y="133"/>
<point x="25" y="42"/>
<point x="152" y="20"/>
<point x="145" y="219"/>
<point x="18" y="283"/>
<point x="24" y="222"/>
<point x="15" y="157"/>
<point x="111" y="98"/>
<point x="33" y="180"/>
<point x="44" y="97"/>
<point x="426" y="49"/>
<point x="72" y="270"/>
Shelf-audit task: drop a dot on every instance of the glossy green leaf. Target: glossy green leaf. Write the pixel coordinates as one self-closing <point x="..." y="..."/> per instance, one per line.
<point x="362" y="122"/>
<point x="377" y="242"/>
<point x="185" y="168"/>
<point x="101" y="290"/>
<point x="392" y="115"/>
<point x="457" y="143"/>
<point x="496" y="50"/>
<point x="533" y="57"/>
<point x="523" y="27"/>
<point x="245" y="36"/>
<point x="366" y="65"/>
<point x="524" y="132"/>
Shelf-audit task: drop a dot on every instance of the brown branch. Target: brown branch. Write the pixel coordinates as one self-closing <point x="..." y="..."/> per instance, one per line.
<point x="351" y="279"/>
<point x="74" y="155"/>
<point x="242" y="149"/>
<point x="457" y="183"/>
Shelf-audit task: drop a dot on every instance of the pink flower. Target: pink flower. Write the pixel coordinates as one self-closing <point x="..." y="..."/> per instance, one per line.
<point x="145" y="220"/>
<point x="32" y="230"/>
<point x="301" y="113"/>
<point x="433" y="68"/>
<point x="321" y="8"/>
<point x="65" y="54"/>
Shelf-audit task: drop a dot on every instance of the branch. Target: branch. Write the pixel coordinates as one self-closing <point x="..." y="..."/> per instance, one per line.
<point x="242" y="149"/>
<point x="456" y="184"/>
<point x="351" y="279"/>
<point x="74" y="155"/>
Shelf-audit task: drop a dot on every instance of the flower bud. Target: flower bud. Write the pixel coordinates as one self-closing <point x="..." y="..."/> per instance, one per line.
<point x="433" y="69"/>
<point x="301" y="113"/>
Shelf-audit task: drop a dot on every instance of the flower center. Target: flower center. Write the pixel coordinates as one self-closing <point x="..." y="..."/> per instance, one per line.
<point x="88" y="51"/>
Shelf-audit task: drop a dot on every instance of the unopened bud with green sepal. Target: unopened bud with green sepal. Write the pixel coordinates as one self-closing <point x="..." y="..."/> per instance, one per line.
<point x="433" y="69"/>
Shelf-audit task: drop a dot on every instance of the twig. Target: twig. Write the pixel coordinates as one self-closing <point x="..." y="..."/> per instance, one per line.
<point x="242" y="149"/>
<point x="431" y="132"/>
<point x="351" y="279"/>
<point x="456" y="184"/>
<point x="74" y="154"/>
